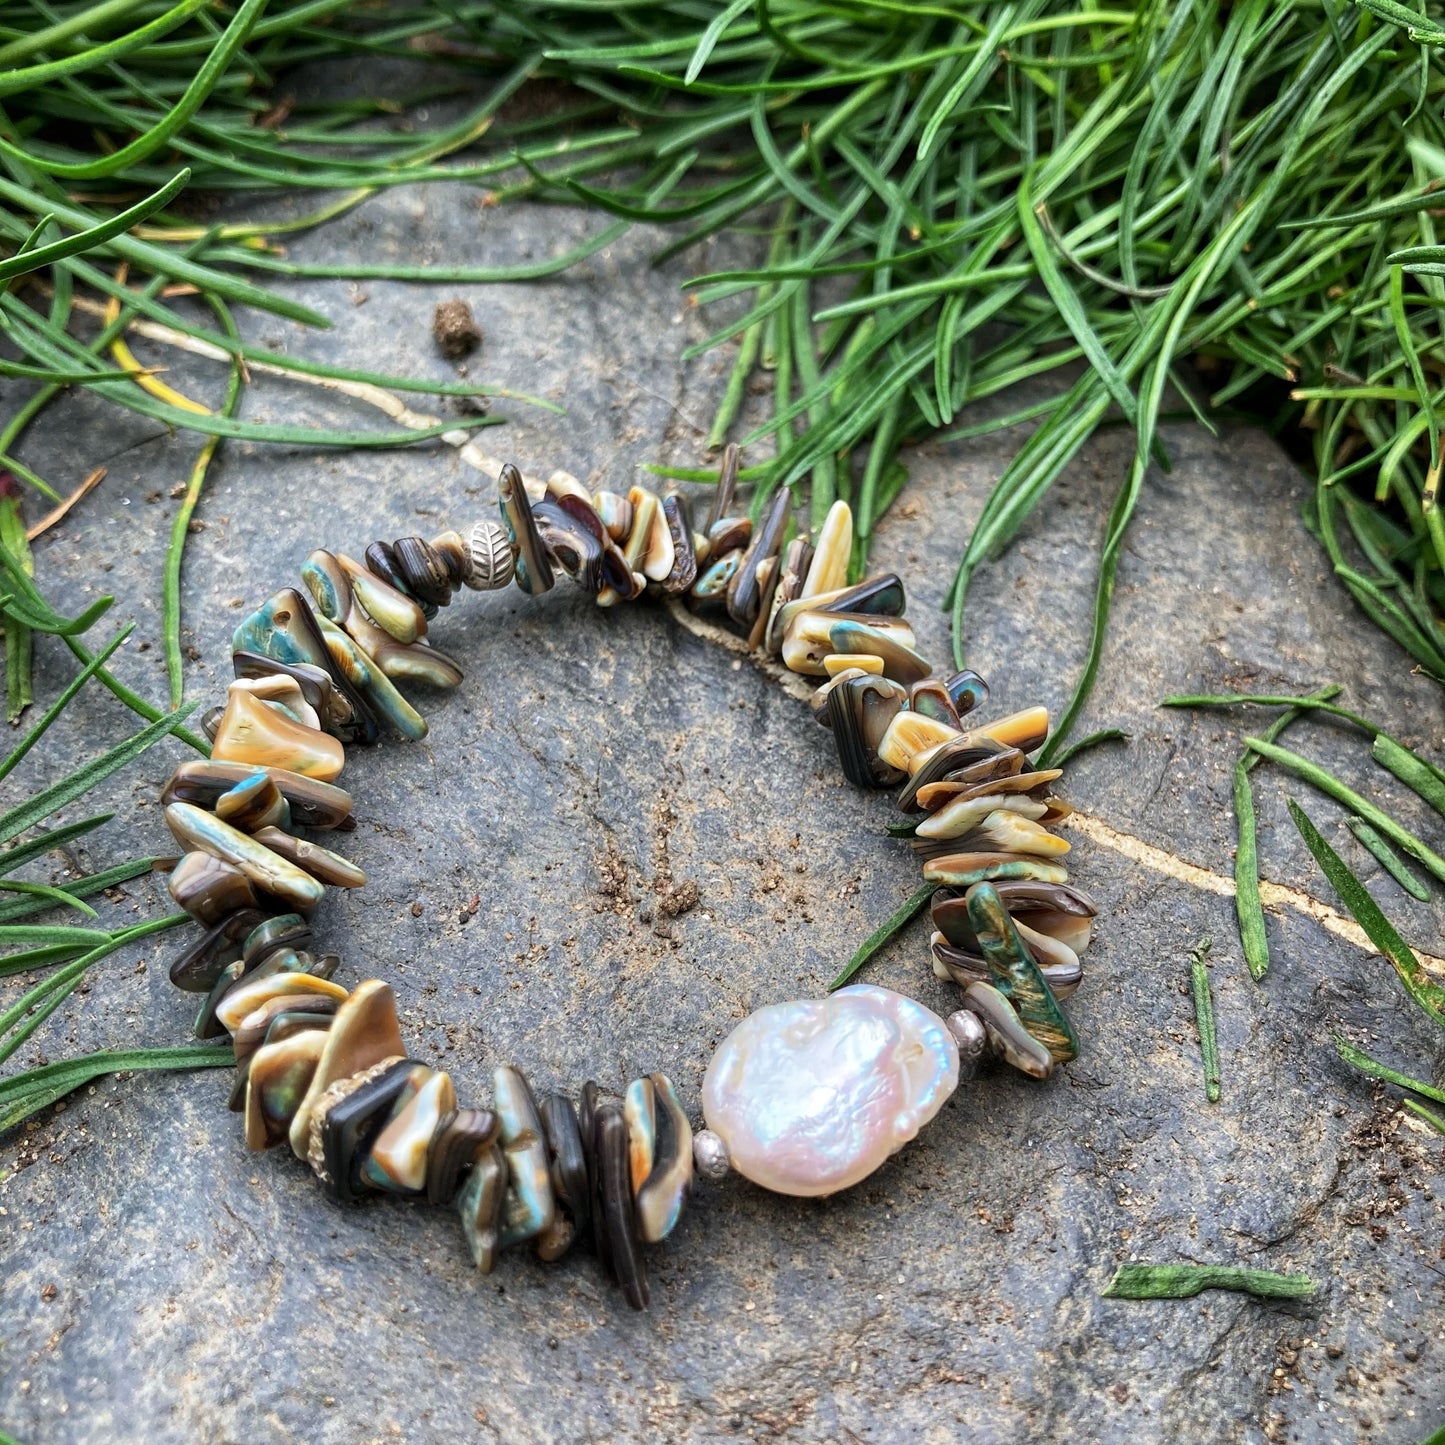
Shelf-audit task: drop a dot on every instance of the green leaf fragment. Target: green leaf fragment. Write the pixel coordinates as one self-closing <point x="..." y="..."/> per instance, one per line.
<point x="1204" y="1018"/>
<point x="19" y="639"/>
<point x="1184" y="1281"/>
<point x="1430" y="1117"/>
<point x="42" y="804"/>
<point x="1084" y="744"/>
<point x="1413" y="771"/>
<point x="1248" y="905"/>
<point x="12" y="858"/>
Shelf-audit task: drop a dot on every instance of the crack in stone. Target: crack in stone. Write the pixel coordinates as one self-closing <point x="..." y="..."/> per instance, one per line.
<point x="1272" y="895"/>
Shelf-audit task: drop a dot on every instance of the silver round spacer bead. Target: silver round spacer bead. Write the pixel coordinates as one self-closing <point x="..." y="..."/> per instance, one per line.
<point x="492" y="558"/>
<point x="710" y="1155"/>
<point x="971" y="1037"/>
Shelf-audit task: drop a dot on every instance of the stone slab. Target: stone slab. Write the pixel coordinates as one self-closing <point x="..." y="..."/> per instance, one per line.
<point x="161" y="1284"/>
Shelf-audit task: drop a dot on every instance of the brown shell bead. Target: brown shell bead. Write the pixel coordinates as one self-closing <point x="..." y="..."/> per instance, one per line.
<point x="209" y="889"/>
<point x="423" y="570"/>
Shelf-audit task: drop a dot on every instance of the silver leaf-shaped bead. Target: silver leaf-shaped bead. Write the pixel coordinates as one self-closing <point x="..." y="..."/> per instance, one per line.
<point x="491" y="555"/>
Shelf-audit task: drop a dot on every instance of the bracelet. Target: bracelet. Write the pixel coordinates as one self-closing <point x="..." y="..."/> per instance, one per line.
<point x="806" y="1097"/>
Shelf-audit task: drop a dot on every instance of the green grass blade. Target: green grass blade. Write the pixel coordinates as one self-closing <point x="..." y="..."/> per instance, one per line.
<point x="1204" y="1020"/>
<point x="92" y="236"/>
<point x="883" y="936"/>
<point x="27" y="1093"/>
<point x="45" y="893"/>
<point x="1388" y="859"/>
<point x="1327" y="783"/>
<point x="58" y="706"/>
<point x="42" y="804"/>
<point x="158" y="135"/>
<point x="12" y="858"/>
<point x="1362" y="1061"/>
<point x="1414" y="772"/>
<point x="1422" y="989"/>
<point x="21" y="80"/>
<point x="85" y="887"/>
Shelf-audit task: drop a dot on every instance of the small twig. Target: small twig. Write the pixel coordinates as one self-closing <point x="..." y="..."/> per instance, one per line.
<point x="57" y="514"/>
<point x="363" y="391"/>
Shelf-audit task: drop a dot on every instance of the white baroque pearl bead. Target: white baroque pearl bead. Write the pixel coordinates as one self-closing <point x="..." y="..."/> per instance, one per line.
<point x="812" y="1096"/>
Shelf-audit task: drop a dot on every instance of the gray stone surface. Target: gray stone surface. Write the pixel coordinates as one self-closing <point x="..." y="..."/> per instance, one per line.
<point x="162" y="1285"/>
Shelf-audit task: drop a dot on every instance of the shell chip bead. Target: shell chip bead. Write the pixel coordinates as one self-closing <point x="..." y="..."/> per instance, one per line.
<point x="530" y="1205"/>
<point x="662" y="1191"/>
<point x="372" y="682"/>
<point x="283" y="693"/>
<point x="532" y="570"/>
<point x="211" y="891"/>
<point x="797" y="557"/>
<point x="571" y="544"/>
<point x="568" y="1161"/>
<point x="204" y="832"/>
<point x="252" y="731"/>
<point x="424" y="571"/>
<point x="323" y="865"/>
<point x="398" y="1159"/>
<point x="1017" y="976"/>
<point x="649" y="549"/>
<point x="363" y="1033"/>
<point x="318" y="693"/>
<point x="459" y="1141"/>
<point x="247" y="997"/>
<point x="678" y="516"/>
<point x="831" y="552"/>
<point x="196" y="969"/>
<point x="286" y="930"/>
<point x="279" y="1018"/>
<point x="480" y="1203"/>
<point x="617" y="1216"/>
<point x="286" y="630"/>
<point x="381" y="562"/>
<point x="278" y="1074"/>
<point x="588" y="1108"/>
<point x="395" y="611"/>
<point x="253" y="804"/>
<point x="745" y="592"/>
<point x="860" y="710"/>
<point x="615" y="513"/>
<point x="347" y="1124"/>
<point x="313" y="804"/>
<point x="451" y="547"/>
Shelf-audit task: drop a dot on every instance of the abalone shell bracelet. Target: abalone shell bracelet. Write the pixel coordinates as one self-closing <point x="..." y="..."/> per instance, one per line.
<point x="803" y="1098"/>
